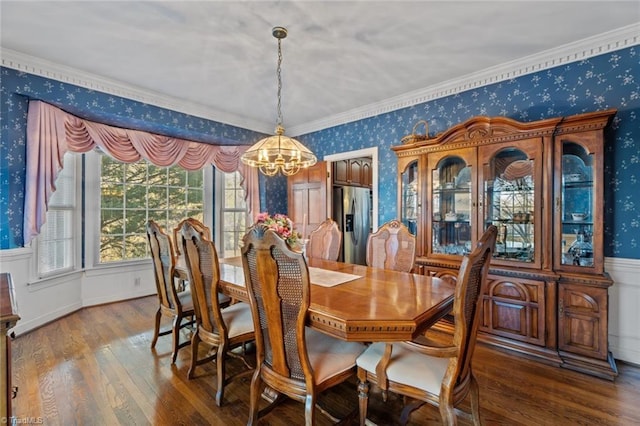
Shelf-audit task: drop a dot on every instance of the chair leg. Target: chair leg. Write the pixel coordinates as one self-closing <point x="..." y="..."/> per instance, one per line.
<point x="177" y="320"/>
<point x="409" y="407"/>
<point x="156" y="331"/>
<point x="195" y="342"/>
<point x="363" y="398"/>
<point x="447" y="412"/>
<point x="475" y="401"/>
<point x="220" y="364"/>
<point x="309" y="410"/>
<point x="255" y="392"/>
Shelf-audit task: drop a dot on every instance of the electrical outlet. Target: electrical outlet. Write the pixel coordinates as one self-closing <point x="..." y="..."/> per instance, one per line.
<point x="136" y="282"/>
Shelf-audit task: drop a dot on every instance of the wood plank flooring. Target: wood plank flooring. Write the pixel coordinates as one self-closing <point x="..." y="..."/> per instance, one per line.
<point x="95" y="367"/>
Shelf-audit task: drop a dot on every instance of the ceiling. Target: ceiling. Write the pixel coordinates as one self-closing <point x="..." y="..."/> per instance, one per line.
<point x="219" y="57"/>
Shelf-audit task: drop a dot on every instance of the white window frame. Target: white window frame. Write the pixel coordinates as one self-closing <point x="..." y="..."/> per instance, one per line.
<point x="220" y="209"/>
<point x="72" y="165"/>
<point x="92" y="213"/>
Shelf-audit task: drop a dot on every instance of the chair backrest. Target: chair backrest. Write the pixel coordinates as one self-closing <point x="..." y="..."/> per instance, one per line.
<point x="163" y="258"/>
<point x="204" y="276"/>
<point x="277" y="279"/>
<point x="325" y="241"/>
<point x="471" y="278"/>
<point x="196" y="224"/>
<point x="392" y="247"/>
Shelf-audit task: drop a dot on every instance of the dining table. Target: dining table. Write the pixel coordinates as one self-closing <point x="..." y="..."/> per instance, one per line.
<point x="357" y="302"/>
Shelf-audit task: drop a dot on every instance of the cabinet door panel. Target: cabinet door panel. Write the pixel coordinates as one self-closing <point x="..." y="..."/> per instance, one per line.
<point x="367" y="174"/>
<point x="355" y="173"/>
<point x="451" y="203"/>
<point x="582" y="320"/>
<point x="514" y="309"/>
<point x="340" y="172"/>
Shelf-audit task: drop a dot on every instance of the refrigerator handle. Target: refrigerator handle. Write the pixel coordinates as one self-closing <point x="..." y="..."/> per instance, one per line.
<point x="354" y="239"/>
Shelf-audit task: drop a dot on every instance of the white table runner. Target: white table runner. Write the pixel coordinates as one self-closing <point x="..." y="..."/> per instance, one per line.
<point x="327" y="278"/>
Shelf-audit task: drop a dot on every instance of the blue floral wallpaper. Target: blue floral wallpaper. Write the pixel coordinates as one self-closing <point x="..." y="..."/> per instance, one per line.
<point x="16" y="88"/>
<point x="601" y="82"/>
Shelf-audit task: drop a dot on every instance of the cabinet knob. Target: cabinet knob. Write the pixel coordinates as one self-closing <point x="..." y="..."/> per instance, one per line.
<point x="560" y="307"/>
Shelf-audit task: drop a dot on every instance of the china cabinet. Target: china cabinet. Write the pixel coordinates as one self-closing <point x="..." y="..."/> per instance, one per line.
<point x="541" y="184"/>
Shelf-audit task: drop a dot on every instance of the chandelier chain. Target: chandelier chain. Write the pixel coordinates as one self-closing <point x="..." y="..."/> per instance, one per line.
<point x="279" y="76"/>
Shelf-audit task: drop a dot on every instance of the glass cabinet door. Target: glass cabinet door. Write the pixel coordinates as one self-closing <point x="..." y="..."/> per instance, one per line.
<point x="409" y="197"/>
<point x="452" y="215"/>
<point x="511" y="203"/>
<point x="577" y="201"/>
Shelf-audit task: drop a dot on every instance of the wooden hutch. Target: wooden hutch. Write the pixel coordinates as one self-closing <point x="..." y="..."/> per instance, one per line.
<point x="542" y="184"/>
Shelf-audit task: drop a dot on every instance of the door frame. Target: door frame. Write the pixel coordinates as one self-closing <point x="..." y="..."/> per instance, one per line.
<point x="365" y="152"/>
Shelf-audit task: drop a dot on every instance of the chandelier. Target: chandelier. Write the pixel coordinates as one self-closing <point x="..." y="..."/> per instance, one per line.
<point x="279" y="153"/>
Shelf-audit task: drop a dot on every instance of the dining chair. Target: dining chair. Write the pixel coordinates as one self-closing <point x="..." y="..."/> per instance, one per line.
<point x="223" y="328"/>
<point x="196" y="224"/>
<point x="173" y="304"/>
<point x="437" y="374"/>
<point x="204" y="232"/>
<point x="325" y="241"/>
<point x="392" y="246"/>
<point x="293" y="360"/>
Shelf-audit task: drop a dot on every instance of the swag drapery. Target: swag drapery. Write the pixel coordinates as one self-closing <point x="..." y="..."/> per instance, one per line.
<point x="51" y="132"/>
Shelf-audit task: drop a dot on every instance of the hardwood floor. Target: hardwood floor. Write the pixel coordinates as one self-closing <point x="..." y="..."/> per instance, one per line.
<point x="95" y="367"/>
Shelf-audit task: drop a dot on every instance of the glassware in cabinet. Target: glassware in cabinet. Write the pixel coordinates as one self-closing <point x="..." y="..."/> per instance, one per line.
<point x="451" y="206"/>
<point x="509" y="194"/>
<point x="409" y="204"/>
<point x="577" y="200"/>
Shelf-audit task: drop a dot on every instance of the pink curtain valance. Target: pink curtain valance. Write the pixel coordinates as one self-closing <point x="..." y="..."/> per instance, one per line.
<point x="51" y="132"/>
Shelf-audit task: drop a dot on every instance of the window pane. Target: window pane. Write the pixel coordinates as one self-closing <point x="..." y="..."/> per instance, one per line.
<point x="112" y="221"/>
<point x="112" y="171"/>
<point x="233" y="217"/>
<point x="112" y="195"/>
<point x="148" y="192"/>
<point x="157" y="198"/>
<point x="157" y="175"/>
<point x="136" y="173"/>
<point x="55" y="244"/>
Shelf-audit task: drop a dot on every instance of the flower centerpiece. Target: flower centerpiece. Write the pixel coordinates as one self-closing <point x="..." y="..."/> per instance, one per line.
<point x="282" y="225"/>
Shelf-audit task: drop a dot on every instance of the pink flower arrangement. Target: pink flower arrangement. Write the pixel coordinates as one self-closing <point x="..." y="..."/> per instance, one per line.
<point x="281" y="224"/>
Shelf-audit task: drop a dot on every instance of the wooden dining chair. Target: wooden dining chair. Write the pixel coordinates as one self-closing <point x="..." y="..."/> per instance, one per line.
<point x="223" y="328"/>
<point x="325" y="241"/>
<point x="195" y="224"/>
<point x="292" y="359"/>
<point x="392" y="247"/>
<point x="440" y="375"/>
<point x="174" y="304"/>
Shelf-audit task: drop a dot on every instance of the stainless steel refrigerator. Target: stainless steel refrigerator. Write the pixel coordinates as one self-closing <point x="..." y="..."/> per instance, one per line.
<point x="352" y="212"/>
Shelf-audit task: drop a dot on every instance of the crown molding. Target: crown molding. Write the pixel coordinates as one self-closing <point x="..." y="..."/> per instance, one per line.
<point x="583" y="49"/>
<point x="593" y="46"/>
<point x="43" y="68"/>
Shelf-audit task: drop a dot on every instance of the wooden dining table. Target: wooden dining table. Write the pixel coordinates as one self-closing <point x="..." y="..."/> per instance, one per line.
<point x="371" y="305"/>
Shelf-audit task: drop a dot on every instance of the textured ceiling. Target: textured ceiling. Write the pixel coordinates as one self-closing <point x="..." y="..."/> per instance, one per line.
<point x="339" y="56"/>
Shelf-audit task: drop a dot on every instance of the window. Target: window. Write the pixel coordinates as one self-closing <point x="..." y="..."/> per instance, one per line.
<point x="131" y="194"/>
<point x="232" y="218"/>
<point x="56" y="242"/>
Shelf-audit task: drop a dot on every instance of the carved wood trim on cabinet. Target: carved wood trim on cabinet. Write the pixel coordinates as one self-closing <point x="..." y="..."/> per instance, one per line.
<point x="537" y="302"/>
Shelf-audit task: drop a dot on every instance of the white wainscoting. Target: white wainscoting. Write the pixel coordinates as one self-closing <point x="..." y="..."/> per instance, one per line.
<point x="624" y="309"/>
<point x="42" y="301"/>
